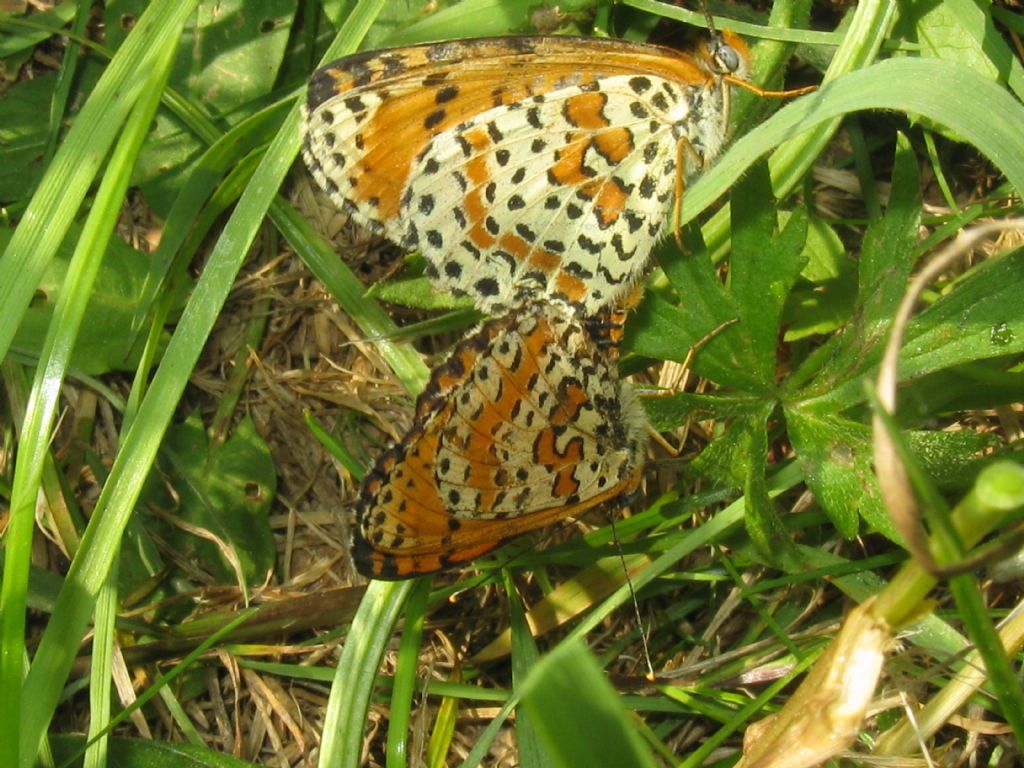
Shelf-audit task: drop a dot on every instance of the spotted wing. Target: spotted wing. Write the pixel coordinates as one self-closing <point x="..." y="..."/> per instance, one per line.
<point x="563" y="195"/>
<point x="527" y="156"/>
<point x="527" y="423"/>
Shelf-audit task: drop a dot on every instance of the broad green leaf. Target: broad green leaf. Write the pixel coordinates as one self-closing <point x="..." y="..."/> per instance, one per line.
<point x="667" y="330"/>
<point x="824" y="251"/>
<point x="225" y="488"/>
<point x="215" y="62"/>
<point x="983" y="385"/>
<point x="763" y="268"/>
<point x="217" y="53"/>
<point x="662" y="330"/>
<point x="888" y="250"/>
<point x="982" y="317"/>
<point x="668" y="410"/>
<point x="214" y="71"/>
<point x="103" y="341"/>
<point x="962" y="31"/>
<point x="836" y="457"/>
<point x="824" y="297"/>
<point x="953" y="460"/>
<point x="24" y="121"/>
<point x="726" y="460"/>
<point x="761" y="518"/>
<point x="885" y="264"/>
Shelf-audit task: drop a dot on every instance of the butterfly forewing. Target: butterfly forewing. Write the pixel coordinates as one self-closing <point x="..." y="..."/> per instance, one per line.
<point x="518" y="166"/>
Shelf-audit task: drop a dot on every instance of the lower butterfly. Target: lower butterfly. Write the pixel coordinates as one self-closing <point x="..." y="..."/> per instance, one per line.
<point x="521" y="166"/>
<point x="525" y="424"/>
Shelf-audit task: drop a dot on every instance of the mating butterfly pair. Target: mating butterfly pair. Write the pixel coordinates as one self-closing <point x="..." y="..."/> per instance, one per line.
<point x="535" y="174"/>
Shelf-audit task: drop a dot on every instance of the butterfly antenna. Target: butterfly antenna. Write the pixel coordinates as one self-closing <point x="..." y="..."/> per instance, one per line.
<point x="636" y="605"/>
<point x="715" y="35"/>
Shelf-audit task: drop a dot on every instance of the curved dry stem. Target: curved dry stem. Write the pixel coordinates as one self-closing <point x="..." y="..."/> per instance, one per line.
<point x="892" y="477"/>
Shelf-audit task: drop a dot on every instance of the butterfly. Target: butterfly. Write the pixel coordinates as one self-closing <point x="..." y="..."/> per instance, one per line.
<point x="521" y="167"/>
<point x="526" y="423"/>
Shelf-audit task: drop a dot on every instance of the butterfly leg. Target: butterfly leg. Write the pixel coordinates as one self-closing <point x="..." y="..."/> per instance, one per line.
<point x="684" y="152"/>
<point x="764" y="93"/>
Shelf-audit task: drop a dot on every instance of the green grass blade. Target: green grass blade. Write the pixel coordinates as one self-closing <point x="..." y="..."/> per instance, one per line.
<point x="67" y="180"/>
<point x="141" y="442"/>
<point x="1002" y="678"/>
<point x="349" y="701"/>
<point x="403" y="689"/>
<point x="567" y="689"/>
<point x="868" y="28"/>
<point x="983" y="114"/>
<point x="55" y="358"/>
<point x="100" y="674"/>
<point x="525" y="656"/>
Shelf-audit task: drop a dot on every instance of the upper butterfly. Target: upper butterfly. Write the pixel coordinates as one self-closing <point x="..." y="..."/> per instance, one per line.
<point x="521" y="166"/>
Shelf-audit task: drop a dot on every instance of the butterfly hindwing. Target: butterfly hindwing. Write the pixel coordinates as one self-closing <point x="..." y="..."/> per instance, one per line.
<point x="527" y="423"/>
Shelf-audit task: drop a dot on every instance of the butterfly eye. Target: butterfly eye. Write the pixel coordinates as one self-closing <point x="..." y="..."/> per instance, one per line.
<point x="725" y="57"/>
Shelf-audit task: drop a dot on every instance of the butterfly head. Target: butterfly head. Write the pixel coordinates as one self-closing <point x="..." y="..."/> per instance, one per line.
<point x="727" y="54"/>
<point x="724" y="57"/>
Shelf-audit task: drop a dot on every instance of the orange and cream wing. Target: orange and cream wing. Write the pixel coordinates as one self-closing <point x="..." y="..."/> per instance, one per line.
<point x="522" y="166"/>
<point x="526" y="423"/>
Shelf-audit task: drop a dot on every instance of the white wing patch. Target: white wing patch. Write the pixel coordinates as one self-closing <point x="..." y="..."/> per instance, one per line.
<point x="545" y="205"/>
